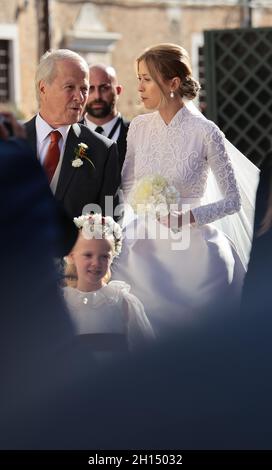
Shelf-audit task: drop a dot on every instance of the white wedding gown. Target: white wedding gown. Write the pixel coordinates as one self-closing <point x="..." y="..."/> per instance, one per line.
<point x="178" y="283"/>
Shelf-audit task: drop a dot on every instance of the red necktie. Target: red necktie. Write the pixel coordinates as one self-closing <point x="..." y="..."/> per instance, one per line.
<point x="53" y="154"/>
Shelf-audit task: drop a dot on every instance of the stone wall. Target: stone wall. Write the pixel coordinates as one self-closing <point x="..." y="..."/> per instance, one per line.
<point x="139" y="23"/>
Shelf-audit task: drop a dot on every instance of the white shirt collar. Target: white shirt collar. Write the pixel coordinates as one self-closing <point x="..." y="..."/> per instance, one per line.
<point x="107" y="127"/>
<point x="43" y="129"/>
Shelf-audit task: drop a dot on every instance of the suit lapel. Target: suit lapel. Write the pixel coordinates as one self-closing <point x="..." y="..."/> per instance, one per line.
<point x="31" y="133"/>
<point x="123" y="130"/>
<point x="67" y="171"/>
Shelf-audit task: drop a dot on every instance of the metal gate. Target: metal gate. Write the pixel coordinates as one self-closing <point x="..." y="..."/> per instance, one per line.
<point x="238" y="82"/>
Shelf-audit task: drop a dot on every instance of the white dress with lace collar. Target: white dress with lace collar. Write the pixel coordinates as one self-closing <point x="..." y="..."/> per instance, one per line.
<point x="109" y="310"/>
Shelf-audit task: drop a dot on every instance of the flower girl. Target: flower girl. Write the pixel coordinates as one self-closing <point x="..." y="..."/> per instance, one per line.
<point x="108" y="316"/>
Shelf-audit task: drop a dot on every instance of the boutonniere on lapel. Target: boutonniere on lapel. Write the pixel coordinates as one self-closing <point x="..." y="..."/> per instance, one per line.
<point x="80" y="155"/>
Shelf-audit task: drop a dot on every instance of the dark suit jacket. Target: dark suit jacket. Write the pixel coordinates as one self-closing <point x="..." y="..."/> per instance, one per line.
<point x="78" y="187"/>
<point x="122" y="141"/>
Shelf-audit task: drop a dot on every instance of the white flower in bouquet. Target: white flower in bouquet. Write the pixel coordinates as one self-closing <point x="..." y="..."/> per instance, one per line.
<point x="153" y="195"/>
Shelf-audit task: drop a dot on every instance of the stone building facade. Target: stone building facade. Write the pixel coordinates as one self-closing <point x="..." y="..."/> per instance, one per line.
<point x="111" y="31"/>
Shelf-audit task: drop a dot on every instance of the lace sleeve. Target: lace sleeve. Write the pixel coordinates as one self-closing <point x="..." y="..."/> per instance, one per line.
<point x="128" y="171"/>
<point x="220" y="164"/>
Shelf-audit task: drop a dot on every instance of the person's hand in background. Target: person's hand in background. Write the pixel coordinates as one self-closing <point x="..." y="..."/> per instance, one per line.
<point x="10" y="127"/>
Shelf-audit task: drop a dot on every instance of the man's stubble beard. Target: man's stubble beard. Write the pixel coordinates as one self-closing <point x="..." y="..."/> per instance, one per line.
<point x="102" y="112"/>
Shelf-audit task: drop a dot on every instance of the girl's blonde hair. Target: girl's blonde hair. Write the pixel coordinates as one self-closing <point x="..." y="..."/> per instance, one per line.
<point x="69" y="274"/>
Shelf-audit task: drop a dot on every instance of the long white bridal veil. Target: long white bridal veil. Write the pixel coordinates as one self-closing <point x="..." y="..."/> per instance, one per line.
<point x="238" y="227"/>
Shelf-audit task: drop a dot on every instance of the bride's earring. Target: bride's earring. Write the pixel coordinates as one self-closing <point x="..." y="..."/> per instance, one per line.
<point x="172" y="94"/>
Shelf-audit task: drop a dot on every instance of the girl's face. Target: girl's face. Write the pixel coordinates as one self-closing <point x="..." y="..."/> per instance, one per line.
<point x="92" y="259"/>
<point x="148" y="89"/>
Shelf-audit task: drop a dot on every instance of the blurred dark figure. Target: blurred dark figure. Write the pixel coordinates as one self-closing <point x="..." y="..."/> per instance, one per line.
<point x="256" y="318"/>
<point x="194" y="391"/>
<point x="258" y="281"/>
<point x="34" y="325"/>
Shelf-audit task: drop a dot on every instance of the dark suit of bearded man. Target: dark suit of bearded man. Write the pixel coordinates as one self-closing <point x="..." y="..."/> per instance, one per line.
<point x="62" y="85"/>
<point x="121" y="140"/>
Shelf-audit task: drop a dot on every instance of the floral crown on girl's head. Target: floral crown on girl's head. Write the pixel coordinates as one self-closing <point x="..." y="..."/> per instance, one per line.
<point x="97" y="226"/>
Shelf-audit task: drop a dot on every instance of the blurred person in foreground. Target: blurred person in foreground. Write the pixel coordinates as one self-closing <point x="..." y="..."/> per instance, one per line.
<point x="35" y="330"/>
<point x="256" y="297"/>
<point x="202" y="388"/>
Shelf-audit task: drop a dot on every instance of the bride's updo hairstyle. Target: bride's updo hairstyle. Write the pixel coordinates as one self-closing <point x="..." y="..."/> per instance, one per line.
<point x="166" y="61"/>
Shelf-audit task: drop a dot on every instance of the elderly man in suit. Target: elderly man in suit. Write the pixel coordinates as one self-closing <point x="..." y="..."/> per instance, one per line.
<point x="82" y="166"/>
<point x="101" y="108"/>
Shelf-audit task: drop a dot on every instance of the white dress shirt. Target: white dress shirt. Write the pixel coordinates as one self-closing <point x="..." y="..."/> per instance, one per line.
<point x="43" y="130"/>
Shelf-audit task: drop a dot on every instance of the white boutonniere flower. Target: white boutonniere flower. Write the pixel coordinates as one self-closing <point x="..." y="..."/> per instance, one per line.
<point x="80" y="154"/>
<point x="77" y="162"/>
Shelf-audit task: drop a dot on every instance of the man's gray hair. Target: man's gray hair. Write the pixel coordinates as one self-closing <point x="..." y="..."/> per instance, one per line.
<point x="47" y="67"/>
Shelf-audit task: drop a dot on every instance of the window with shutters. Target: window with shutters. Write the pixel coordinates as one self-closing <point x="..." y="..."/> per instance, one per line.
<point x="4" y="71"/>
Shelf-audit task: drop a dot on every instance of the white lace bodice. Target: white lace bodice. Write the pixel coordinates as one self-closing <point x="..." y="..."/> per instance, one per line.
<point x="183" y="152"/>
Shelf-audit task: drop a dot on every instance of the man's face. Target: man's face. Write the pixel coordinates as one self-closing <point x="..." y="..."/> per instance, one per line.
<point x="62" y="101"/>
<point x="103" y="94"/>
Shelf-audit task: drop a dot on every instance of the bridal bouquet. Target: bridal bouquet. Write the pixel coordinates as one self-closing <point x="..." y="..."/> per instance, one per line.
<point x="153" y="195"/>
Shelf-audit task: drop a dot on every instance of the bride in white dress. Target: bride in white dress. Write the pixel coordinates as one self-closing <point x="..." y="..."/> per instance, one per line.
<point x="179" y="283"/>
